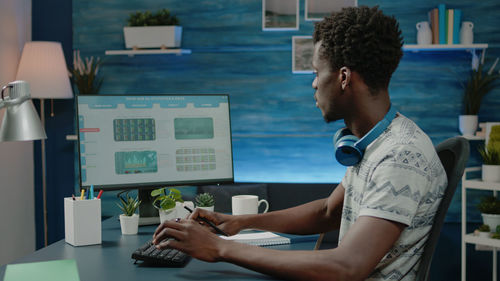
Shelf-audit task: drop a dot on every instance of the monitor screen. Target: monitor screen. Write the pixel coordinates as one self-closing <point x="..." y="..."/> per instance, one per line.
<point x="133" y="141"/>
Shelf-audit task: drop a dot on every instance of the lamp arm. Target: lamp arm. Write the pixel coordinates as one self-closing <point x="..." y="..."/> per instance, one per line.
<point x="6" y="101"/>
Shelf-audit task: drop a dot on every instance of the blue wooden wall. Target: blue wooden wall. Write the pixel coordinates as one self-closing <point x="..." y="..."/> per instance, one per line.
<point x="278" y="133"/>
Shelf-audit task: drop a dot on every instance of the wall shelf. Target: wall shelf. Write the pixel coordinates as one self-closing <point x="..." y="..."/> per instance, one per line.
<point x="444" y="47"/>
<point x="148" y="52"/>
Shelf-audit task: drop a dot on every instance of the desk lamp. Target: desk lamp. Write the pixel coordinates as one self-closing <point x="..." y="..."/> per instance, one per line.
<point x="43" y="66"/>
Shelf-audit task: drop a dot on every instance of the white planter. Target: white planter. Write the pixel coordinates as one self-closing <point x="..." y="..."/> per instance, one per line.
<point x="211" y="208"/>
<point x="129" y="224"/>
<point x="491" y="173"/>
<point x="491" y="220"/>
<point x="467" y="124"/>
<point x="166" y="215"/>
<point x="484" y="234"/>
<point x="167" y="36"/>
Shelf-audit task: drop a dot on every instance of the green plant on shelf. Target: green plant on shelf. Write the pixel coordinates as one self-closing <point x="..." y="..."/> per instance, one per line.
<point x="490" y="154"/>
<point x="166" y="198"/>
<point x="478" y="85"/>
<point x="489" y="205"/>
<point x="161" y="17"/>
<point x="84" y="74"/>
<point x="128" y="204"/>
<point x="484" y="228"/>
<point x="204" y="200"/>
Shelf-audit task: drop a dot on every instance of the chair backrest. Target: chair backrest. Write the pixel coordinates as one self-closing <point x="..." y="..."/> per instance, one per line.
<point x="453" y="153"/>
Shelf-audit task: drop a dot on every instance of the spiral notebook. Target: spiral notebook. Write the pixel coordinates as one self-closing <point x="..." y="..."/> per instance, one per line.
<point x="259" y="238"/>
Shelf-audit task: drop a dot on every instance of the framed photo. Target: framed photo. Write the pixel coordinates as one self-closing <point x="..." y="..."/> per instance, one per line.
<point x="302" y="54"/>
<point x="318" y="9"/>
<point x="280" y="15"/>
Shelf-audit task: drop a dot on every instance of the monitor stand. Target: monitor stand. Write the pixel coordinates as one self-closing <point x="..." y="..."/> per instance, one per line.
<point x="148" y="214"/>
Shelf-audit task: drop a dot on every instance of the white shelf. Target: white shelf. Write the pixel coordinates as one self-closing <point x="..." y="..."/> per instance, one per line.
<point x="148" y="52"/>
<point x="479" y="184"/>
<point x="444" y="47"/>
<point x="473" y="137"/>
<point x="471" y="239"/>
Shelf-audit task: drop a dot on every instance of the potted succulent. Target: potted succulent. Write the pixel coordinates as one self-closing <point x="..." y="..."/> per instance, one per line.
<point x="490" y="211"/>
<point x="129" y="220"/>
<point x="491" y="162"/>
<point x="478" y="85"/>
<point x="148" y="30"/>
<point x="205" y="201"/>
<point x="166" y="201"/>
<point x="484" y="231"/>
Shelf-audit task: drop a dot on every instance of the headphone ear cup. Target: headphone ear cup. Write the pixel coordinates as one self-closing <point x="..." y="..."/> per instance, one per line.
<point x="346" y="152"/>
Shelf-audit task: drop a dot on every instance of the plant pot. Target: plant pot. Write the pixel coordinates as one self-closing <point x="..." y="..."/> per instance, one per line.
<point x="490" y="173"/>
<point x="166" y="215"/>
<point x="484" y="234"/>
<point x="129" y="224"/>
<point x="167" y="36"/>
<point x="467" y="124"/>
<point x="491" y="220"/>
<point x="211" y="208"/>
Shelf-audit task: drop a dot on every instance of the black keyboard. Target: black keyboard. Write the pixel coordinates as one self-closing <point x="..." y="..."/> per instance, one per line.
<point x="150" y="255"/>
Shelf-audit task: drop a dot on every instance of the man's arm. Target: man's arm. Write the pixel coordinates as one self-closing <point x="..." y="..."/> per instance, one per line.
<point x="361" y="249"/>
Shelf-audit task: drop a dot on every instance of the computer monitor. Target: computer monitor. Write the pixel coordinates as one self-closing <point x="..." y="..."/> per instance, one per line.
<point x="151" y="141"/>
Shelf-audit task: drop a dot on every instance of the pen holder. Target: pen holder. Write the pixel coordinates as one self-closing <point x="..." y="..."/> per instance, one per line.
<point x="82" y="221"/>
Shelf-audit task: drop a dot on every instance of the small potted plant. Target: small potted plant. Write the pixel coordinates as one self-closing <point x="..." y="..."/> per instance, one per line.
<point x="205" y="201"/>
<point x="166" y="201"/>
<point x="484" y="231"/>
<point x="491" y="162"/>
<point x="478" y="85"/>
<point x="148" y="30"/>
<point x="490" y="211"/>
<point x="84" y="74"/>
<point x="129" y="220"/>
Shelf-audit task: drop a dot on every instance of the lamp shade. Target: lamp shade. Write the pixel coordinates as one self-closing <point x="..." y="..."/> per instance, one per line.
<point x="43" y="66"/>
<point x="20" y="121"/>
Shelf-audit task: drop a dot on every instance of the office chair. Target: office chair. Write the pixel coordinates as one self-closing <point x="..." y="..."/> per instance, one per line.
<point x="453" y="153"/>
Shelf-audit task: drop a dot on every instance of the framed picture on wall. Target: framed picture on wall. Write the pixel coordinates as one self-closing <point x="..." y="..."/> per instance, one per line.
<point x="279" y="15"/>
<point x="318" y="9"/>
<point x="302" y="54"/>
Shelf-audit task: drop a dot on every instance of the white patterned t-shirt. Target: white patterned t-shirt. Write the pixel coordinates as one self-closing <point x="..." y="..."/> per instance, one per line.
<point x="401" y="179"/>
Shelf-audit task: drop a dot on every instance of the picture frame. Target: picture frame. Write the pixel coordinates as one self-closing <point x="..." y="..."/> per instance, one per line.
<point x="316" y="10"/>
<point x="280" y="15"/>
<point x="302" y="54"/>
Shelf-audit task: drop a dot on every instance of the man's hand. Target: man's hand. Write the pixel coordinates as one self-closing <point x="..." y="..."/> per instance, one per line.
<point x="189" y="237"/>
<point x="227" y="223"/>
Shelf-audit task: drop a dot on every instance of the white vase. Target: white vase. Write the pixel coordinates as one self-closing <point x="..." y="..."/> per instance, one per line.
<point x="211" y="208"/>
<point x="484" y="234"/>
<point x="467" y="124"/>
<point x="129" y="224"/>
<point x="166" y="215"/>
<point x="491" y="220"/>
<point x="490" y="173"/>
<point x="167" y="36"/>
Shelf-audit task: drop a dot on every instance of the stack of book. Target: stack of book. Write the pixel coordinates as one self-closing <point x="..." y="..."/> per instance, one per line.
<point x="445" y="25"/>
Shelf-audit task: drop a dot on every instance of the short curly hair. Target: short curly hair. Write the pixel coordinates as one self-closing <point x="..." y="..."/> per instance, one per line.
<point x="363" y="39"/>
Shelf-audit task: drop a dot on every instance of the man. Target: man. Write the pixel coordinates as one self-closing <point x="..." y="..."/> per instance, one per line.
<point x="384" y="205"/>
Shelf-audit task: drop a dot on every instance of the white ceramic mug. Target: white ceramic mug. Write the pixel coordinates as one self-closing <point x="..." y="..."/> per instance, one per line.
<point x="424" y="33"/>
<point x="247" y="204"/>
<point x="466" y="33"/>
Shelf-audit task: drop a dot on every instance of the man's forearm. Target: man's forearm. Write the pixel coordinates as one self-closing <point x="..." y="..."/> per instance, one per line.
<point x="308" y="218"/>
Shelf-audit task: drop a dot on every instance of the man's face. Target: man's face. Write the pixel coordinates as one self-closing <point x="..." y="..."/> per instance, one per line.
<point x="327" y="86"/>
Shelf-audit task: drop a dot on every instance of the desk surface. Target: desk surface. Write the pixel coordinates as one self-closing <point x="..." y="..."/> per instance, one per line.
<point x="111" y="260"/>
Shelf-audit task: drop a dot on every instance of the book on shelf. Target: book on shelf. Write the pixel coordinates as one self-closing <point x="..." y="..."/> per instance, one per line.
<point x="434" y="22"/>
<point x="442" y="23"/>
<point x="449" y="26"/>
<point x="457" y="20"/>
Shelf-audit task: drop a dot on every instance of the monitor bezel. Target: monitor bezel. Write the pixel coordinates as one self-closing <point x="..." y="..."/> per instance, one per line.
<point x="152" y="185"/>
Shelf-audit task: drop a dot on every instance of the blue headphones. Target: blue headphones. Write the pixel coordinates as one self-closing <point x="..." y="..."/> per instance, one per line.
<point x="349" y="149"/>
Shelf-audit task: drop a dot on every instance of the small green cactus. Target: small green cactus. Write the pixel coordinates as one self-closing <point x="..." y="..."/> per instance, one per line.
<point x="204" y="200"/>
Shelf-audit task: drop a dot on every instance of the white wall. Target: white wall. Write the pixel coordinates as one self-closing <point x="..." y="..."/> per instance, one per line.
<point x="17" y="215"/>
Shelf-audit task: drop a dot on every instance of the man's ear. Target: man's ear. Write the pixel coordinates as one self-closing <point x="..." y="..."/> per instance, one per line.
<point x="345" y="76"/>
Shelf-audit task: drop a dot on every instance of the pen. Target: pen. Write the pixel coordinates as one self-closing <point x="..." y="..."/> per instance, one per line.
<point x="218" y="230"/>
<point x="83" y="194"/>
<point x="91" y="191"/>
<point x="73" y="196"/>
<point x="99" y="195"/>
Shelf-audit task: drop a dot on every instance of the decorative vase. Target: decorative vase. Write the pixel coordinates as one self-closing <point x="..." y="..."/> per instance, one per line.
<point x="129" y="224"/>
<point x="211" y="208"/>
<point x="484" y="234"/>
<point x="166" y="215"/>
<point x="467" y="124"/>
<point x="166" y="36"/>
<point x="490" y="173"/>
<point x="492" y="220"/>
